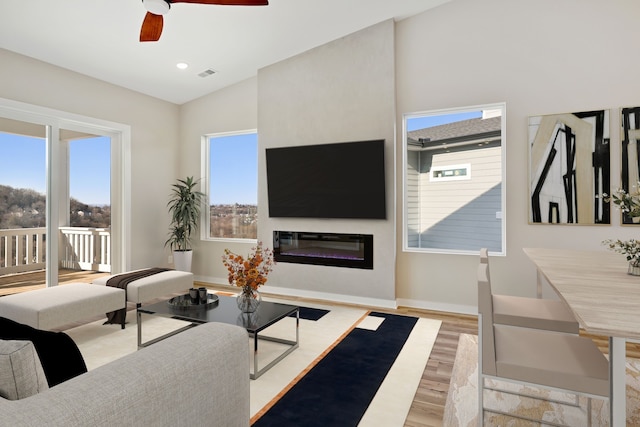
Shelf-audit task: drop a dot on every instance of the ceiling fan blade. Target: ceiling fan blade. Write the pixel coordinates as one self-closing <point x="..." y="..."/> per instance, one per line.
<point x="226" y="2"/>
<point x="151" y="28"/>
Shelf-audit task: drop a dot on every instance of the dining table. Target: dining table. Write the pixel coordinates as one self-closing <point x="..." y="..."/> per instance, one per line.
<point x="605" y="300"/>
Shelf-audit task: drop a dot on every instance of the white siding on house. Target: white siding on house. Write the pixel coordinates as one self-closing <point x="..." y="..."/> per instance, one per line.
<point x="461" y="214"/>
<point x="413" y="199"/>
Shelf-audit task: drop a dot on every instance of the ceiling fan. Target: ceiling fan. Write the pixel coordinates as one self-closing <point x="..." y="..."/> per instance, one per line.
<point x="153" y="21"/>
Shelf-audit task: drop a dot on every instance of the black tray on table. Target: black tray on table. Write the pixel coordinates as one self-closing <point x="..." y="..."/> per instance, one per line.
<point x="186" y="303"/>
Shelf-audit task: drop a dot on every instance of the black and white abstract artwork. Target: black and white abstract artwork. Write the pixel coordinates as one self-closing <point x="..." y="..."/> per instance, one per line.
<point x="629" y="166"/>
<point x="569" y="166"/>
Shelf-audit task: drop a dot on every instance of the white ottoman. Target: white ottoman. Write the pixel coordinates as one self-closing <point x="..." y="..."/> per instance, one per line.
<point x="154" y="286"/>
<point x="51" y="307"/>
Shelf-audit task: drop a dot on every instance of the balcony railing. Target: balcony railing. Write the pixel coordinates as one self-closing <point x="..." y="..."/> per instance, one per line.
<point x="85" y="248"/>
<point x="22" y="250"/>
<point x="81" y="248"/>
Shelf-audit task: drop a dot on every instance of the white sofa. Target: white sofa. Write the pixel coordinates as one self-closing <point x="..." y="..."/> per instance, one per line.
<point x="199" y="377"/>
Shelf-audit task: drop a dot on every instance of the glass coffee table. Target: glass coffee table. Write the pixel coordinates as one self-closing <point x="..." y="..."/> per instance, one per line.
<point x="224" y="309"/>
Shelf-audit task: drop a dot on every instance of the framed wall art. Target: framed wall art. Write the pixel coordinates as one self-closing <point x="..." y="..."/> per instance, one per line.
<point x="629" y="166"/>
<point x="569" y="168"/>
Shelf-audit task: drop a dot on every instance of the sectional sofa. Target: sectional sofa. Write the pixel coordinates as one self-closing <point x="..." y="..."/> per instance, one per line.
<point x="199" y="377"/>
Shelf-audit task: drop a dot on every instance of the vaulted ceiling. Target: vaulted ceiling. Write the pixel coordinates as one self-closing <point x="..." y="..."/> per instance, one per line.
<point x="100" y="38"/>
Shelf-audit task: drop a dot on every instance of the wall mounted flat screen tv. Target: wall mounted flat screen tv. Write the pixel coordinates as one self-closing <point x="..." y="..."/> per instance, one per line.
<point x="340" y="180"/>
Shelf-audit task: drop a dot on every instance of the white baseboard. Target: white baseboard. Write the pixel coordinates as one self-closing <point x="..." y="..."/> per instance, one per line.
<point x="352" y="299"/>
<point x="299" y="293"/>
<point x="438" y="306"/>
<point x="213" y="280"/>
<point x="340" y="298"/>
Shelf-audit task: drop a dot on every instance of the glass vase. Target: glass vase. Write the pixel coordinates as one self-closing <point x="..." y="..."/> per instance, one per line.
<point x="248" y="300"/>
<point x="634" y="268"/>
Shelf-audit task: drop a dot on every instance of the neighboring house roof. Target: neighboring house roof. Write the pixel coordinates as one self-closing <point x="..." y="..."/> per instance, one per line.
<point x="454" y="132"/>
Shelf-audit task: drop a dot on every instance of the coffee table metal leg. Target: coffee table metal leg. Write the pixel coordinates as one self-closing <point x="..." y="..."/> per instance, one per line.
<point x="139" y="320"/>
<point x="160" y="338"/>
<point x="255" y="356"/>
<point x="292" y="346"/>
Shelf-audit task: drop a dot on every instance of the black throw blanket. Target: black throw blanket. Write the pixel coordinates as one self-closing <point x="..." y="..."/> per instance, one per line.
<point x="122" y="281"/>
<point x="60" y="357"/>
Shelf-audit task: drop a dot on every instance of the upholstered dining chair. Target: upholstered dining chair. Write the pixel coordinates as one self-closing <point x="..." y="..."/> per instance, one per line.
<point x="535" y="357"/>
<point x="547" y="314"/>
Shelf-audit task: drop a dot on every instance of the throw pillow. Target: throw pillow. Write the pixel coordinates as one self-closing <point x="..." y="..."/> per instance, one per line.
<point x="21" y="373"/>
<point x="60" y="357"/>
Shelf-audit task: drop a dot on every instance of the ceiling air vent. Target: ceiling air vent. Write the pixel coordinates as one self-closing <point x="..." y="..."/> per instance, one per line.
<point x="207" y="72"/>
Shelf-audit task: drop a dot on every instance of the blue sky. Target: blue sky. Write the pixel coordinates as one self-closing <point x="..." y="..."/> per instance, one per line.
<point x="439" y="119"/>
<point x="231" y="183"/>
<point x="23" y="165"/>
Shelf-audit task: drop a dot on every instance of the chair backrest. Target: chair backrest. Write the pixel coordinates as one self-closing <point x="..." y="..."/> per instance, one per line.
<point x="486" y="338"/>
<point x="484" y="256"/>
<point x="484" y="259"/>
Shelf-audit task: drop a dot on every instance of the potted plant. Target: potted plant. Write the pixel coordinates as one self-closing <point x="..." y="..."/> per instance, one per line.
<point x="629" y="248"/>
<point x="184" y="207"/>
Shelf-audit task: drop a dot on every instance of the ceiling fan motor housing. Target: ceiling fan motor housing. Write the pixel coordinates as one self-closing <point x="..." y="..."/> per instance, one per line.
<point x="157" y="7"/>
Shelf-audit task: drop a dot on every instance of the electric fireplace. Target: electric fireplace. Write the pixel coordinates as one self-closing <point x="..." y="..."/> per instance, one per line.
<point x="332" y="249"/>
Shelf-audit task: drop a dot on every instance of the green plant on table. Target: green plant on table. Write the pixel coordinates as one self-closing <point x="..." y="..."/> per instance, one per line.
<point x="627" y="202"/>
<point x="629" y="248"/>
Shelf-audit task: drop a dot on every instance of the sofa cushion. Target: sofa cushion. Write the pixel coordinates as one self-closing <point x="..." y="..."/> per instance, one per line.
<point x="59" y="355"/>
<point x="21" y="373"/>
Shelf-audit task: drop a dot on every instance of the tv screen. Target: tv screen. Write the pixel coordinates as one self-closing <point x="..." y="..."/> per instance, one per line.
<point x="341" y="180"/>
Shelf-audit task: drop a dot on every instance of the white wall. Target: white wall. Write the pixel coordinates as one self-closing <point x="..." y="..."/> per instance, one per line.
<point x="540" y="57"/>
<point x="154" y="131"/>
<point x="227" y="110"/>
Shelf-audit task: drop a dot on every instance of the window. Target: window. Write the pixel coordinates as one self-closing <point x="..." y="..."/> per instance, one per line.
<point x="450" y="173"/>
<point x="232" y="185"/>
<point x="446" y="207"/>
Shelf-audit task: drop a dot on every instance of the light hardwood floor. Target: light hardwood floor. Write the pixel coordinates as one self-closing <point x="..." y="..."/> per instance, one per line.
<point x="427" y="408"/>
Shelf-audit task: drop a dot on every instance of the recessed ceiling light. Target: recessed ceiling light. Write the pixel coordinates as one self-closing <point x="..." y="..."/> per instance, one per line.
<point x="182" y="65"/>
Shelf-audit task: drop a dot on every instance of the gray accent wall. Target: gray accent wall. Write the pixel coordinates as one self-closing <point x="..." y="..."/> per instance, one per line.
<point x="339" y="92"/>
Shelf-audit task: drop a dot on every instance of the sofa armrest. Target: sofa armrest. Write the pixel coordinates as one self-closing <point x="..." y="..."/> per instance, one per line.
<point x="197" y="377"/>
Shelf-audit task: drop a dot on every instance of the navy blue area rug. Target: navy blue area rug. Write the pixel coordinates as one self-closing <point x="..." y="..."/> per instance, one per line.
<point x="309" y="313"/>
<point x="339" y="389"/>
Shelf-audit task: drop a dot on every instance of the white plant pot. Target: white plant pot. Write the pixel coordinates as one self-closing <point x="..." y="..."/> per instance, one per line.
<point x="182" y="260"/>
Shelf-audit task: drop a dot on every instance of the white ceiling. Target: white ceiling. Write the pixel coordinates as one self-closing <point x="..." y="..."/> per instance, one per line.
<point x="99" y="38"/>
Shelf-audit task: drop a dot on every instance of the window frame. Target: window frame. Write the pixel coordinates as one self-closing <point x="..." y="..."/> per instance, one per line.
<point x="205" y="229"/>
<point x="405" y="208"/>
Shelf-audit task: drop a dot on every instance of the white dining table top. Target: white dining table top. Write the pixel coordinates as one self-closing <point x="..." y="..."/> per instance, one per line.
<point x="596" y="286"/>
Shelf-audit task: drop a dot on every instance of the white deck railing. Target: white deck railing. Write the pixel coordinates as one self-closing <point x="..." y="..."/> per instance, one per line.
<point x="81" y="248"/>
<point x="85" y="249"/>
<point x="22" y="249"/>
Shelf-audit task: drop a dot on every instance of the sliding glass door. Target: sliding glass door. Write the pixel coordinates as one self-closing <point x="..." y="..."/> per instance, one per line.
<point x="23" y="215"/>
<point x="63" y="192"/>
<point x="85" y="211"/>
